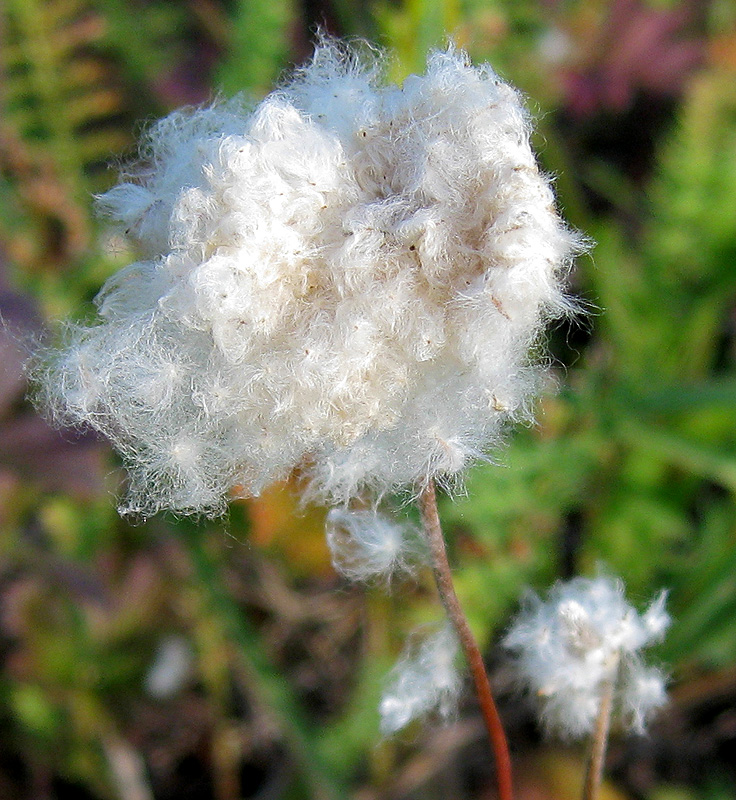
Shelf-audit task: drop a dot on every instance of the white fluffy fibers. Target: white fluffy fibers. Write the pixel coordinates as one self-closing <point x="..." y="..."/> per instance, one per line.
<point x="584" y="636"/>
<point x="366" y="545"/>
<point x="346" y="279"/>
<point x="424" y="680"/>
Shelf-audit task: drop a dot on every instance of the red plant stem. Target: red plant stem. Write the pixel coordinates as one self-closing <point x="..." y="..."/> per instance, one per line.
<point x="427" y="502"/>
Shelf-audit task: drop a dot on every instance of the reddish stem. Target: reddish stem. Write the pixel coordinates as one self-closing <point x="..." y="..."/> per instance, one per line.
<point x="443" y="576"/>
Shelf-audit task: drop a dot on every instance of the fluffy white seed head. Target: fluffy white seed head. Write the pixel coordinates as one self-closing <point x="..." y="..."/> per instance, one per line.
<point x="425" y="680"/>
<point x="345" y="279"/>
<point x="585" y="635"/>
<point x="367" y="545"/>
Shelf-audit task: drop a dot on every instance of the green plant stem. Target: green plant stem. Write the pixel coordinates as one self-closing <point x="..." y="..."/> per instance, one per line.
<point x="271" y="687"/>
<point x="443" y="577"/>
<point x="598" y="743"/>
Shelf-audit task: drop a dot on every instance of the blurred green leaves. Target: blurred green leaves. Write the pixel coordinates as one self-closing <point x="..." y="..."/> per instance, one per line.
<point x="258" y="46"/>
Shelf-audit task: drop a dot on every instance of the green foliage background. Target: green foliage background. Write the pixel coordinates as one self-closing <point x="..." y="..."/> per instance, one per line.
<point x="632" y="463"/>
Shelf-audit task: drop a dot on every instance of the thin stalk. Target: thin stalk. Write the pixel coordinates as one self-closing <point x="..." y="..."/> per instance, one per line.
<point x="598" y="743"/>
<point x="443" y="577"/>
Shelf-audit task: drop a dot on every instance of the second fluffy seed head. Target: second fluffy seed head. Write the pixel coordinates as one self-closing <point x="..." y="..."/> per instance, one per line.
<point x="582" y="637"/>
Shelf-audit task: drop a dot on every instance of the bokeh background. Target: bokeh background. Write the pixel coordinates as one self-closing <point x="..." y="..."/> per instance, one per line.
<point x="200" y="660"/>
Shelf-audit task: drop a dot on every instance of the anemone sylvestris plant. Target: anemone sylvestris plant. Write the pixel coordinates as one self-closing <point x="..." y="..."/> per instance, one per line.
<point x="345" y="281"/>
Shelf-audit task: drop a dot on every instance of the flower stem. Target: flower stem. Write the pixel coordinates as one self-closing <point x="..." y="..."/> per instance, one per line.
<point x="443" y="576"/>
<point x="599" y="740"/>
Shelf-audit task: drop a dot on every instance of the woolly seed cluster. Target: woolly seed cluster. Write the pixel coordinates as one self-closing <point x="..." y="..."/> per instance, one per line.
<point x="345" y="279"/>
<point x="583" y="636"/>
<point x="368" y="546"/>
<point x="365" y="545"/>
<point x="424" y="680"/>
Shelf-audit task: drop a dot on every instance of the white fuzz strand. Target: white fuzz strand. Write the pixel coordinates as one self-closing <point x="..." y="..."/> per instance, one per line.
<point x="367" y="545"/>
<point x="424" y="680"/>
